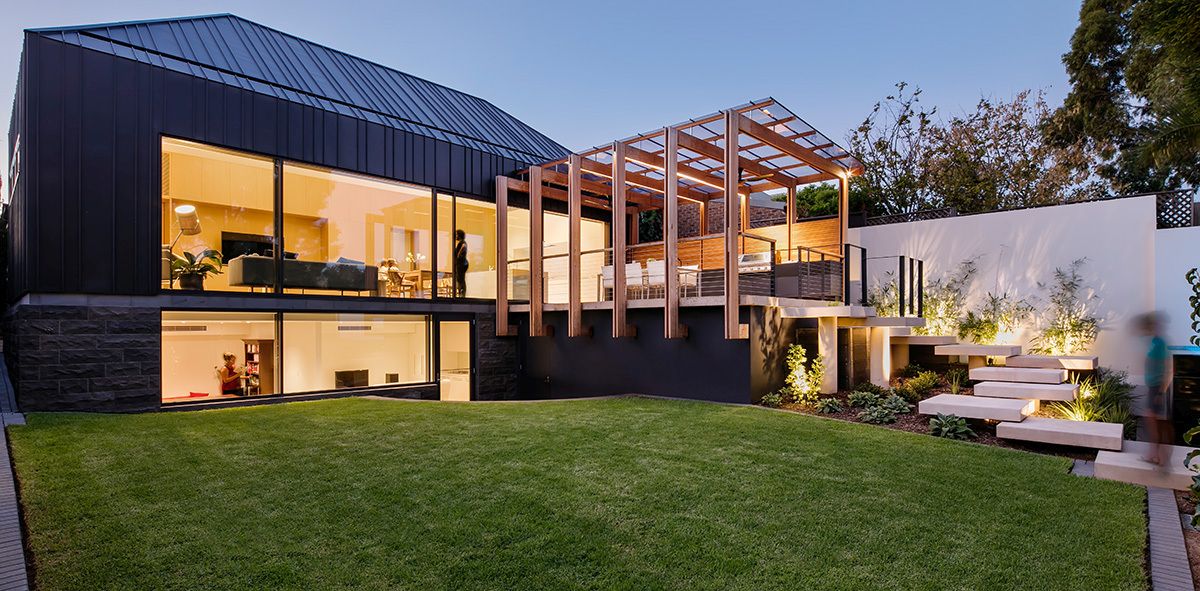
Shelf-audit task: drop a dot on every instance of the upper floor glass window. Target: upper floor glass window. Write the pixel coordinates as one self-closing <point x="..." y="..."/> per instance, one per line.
<point x="218" y="206"/>
<point x="353" y="235"/>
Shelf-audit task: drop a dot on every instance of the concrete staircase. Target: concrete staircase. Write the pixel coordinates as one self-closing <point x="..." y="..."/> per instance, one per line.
<point x="1011" y="393"/>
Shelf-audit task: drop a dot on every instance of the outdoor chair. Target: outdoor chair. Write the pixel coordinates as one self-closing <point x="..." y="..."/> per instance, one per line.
<point x="656" y="278"/>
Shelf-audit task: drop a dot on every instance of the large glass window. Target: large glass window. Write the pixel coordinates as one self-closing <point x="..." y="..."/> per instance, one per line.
<point x="212" y="355"/>
<point x="467" y="247"/>
<point x="593" y="239"/>
<point x="330" y="351"/>
<point x="218" y="220"/>
<point x="208" y="355"/>
<point x="354" y="235"/>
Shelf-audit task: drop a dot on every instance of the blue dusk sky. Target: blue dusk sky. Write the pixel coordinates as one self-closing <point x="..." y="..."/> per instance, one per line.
<point x="587" y="74"/>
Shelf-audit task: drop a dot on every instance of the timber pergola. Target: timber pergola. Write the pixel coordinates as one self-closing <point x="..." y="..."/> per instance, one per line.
<point x="774" y="150"/>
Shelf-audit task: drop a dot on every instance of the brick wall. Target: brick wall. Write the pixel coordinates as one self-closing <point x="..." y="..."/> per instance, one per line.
<point x="84" y="358"/>
<point x="689" y="217"/>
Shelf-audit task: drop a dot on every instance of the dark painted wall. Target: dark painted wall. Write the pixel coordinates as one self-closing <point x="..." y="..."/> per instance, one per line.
<point x="770" y="337"/>
<point x="704" y="366"/>
<point x="86" y="219"/>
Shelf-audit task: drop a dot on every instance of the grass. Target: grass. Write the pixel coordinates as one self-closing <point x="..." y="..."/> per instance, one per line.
<point x="601" y="494"/>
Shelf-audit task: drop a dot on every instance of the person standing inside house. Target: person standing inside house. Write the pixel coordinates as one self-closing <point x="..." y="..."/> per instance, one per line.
<point x="460" y="263"/>
<point x="231" y="376"/>
<point x="1158" y="409"/>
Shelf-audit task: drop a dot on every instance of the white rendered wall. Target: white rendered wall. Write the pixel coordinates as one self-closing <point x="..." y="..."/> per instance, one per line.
<point x="1015" y="250"/>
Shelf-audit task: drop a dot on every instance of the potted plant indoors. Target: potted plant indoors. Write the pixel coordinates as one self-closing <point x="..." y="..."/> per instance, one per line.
<point x="191" y="269"/>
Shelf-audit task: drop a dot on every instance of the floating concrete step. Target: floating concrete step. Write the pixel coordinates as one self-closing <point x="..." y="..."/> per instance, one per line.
<point x="900" y="331"/>
<point x="978" y="407"/>
<point x="1019" y="374"/>
<point x="1072" y="362"/>
<point x="1063" y="432"/>
<point x="1060" y="392"/>
<point x="1128" y="465"/>
<point x="923" y="340"/>
<point x="978" y="350"/>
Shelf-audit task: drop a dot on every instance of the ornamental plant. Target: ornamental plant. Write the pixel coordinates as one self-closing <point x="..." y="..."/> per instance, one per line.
<point x="885" y="296"/>
<point x="863" y="399"/>
<point x="944" y="300"/>
<point x="803" y="382"/>
<point x="950" y="427"/>
<point x="1105" y="396"/>
<point x="1000" y="314"/>
<point x="1070" y="326"/>
<point x="829" y="405"/>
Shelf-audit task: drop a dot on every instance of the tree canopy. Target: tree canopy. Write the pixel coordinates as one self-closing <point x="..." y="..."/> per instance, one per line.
<point x="1134" y="67"/>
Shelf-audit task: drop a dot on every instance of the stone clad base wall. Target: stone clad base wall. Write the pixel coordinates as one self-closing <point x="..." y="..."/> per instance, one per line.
<point x="93" y="358"/>
<point x="102" y="358"/>
<point x="496" y="361"/>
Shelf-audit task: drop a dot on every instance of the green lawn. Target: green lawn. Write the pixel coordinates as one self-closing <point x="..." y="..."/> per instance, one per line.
<point x="601" y="494"/>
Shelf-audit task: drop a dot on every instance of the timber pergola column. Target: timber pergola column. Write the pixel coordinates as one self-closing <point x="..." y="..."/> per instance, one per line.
<point x="734" y="329"/>
<point x="575" y="326"/>
<point x="503" y="328"/>
<point x="537" y="278"/>
<point x="620" y="327"/>
<point x="670" y="220"/>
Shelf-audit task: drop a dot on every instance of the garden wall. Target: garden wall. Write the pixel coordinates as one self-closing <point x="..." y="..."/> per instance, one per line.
<point x="1017" y="250"/>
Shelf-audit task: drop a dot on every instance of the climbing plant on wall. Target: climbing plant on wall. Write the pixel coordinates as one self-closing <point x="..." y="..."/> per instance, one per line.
<point x="1193" y="279"/>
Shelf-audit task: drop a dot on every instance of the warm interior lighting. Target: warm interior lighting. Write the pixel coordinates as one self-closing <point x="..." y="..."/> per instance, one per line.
<point x="189" y="222"/>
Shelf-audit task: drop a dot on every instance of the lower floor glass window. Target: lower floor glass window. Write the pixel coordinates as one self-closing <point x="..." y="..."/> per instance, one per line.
<point x="230" y="354"/>
<point x="329" y="351"/>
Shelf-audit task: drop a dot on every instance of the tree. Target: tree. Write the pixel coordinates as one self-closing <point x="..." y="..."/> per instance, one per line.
<point x="820" y="199"/>
<point x="893" y="145"/>
<point x="1134" y="68"/>
<point x="995" y="157"/>
<point x="650" y="226"/>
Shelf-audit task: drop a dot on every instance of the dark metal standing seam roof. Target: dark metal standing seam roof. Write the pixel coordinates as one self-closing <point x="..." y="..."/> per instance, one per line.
<point x="232" y="50"/>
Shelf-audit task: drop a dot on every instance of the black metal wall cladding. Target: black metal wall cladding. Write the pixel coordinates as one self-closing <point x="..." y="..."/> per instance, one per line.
<point x="86" y="208"/>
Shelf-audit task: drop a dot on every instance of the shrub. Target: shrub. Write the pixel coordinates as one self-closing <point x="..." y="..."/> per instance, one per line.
<point x="885" y="296"/>
<point x="1000" y="314"/>
<point x="896" y="404"/>
<point x="771" y="400"/>
<point x="909" y="371"/>
<point x="863" y="399"/>
<point x="877" y="415"/>
<point x="957" y="377"/>
<point x="1070" y="326"/>
<point x="803" y="383"/>
<point x="923" y="383"/>
<point x="869" y="387"/>
<point x="906" y="392"/>
<point x="950" y="427"/>
<point x="944" y="301"/>
<point x="1105" y="396"/>
<point x="829" y="406"/>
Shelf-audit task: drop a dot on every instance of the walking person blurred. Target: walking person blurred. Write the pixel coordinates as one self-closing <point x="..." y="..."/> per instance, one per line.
<point x="1157" y="414"/>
